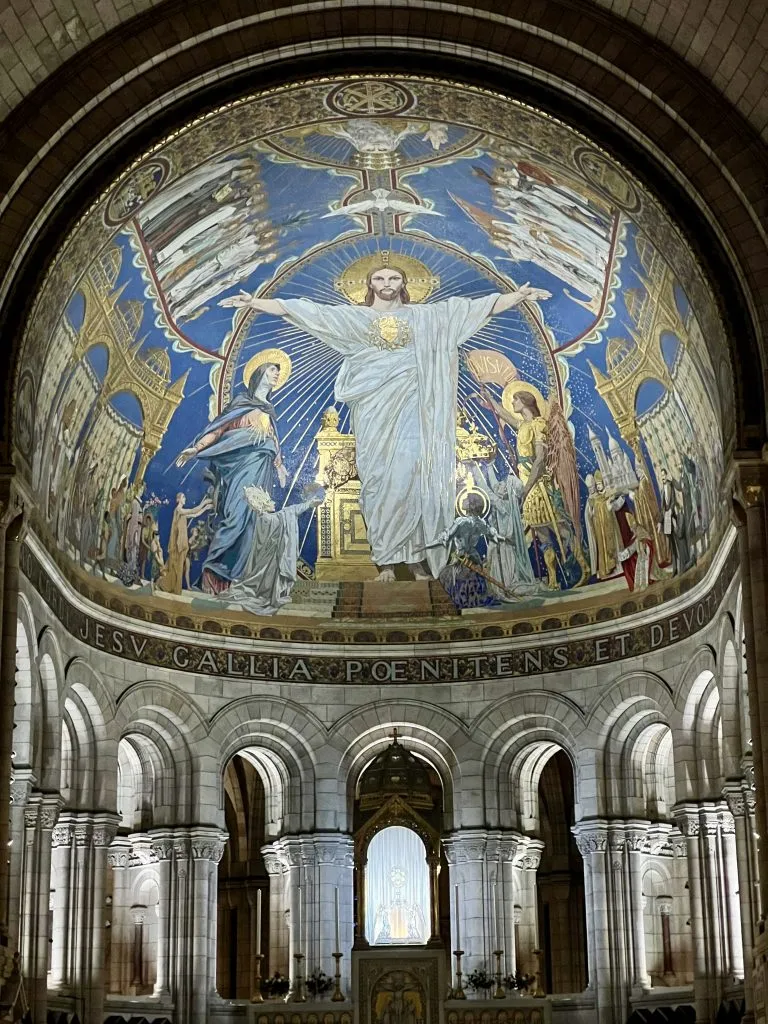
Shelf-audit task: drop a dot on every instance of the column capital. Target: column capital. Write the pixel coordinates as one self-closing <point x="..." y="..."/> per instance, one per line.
<point x="50" y="809"/>
<point x="22" y="783"/>
<point x="207" y="843"/>
<point x="333" y="848"/>
<point x="733" y="794"/>
<point x="469" y="845"/>
<point x="119" y="853"/>
<point x="274" y="859"/>
<point x="591" y="836"/>
<point x="687" y="819"/>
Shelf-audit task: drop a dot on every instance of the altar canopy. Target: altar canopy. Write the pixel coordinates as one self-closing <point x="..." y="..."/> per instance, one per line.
<point x="397" y="889"/>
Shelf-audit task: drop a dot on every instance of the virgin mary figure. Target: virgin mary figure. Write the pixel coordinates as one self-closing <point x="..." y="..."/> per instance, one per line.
<point x="242" y="450"/>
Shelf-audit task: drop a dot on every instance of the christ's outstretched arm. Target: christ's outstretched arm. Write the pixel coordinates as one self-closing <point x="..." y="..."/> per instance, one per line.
<point x="273" y="307"/>
<point x="523" y="294"/>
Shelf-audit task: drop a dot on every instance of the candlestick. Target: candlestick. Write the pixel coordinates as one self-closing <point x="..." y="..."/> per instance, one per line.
<point x="458" y="992"/>
<point x="499" y="993"/>
<point x="494" y="920"/>
<point x="257" y="997"/>
<point x="297" y="939"/>
<point x="338" y="995"/>
<point x="458" y="924"/>
<point x="336" y="917"/>
<point x="258" y="922"/>
<point x="299" y="994"/>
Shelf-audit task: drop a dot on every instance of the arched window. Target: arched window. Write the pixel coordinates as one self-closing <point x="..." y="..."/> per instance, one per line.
<point x="397" y="888"/>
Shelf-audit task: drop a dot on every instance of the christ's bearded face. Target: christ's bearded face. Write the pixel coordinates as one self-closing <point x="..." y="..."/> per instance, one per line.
<point x="387" y="284"/>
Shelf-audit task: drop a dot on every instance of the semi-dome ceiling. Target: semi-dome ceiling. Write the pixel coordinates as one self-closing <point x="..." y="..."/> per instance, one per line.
<point x="541" y="424"/>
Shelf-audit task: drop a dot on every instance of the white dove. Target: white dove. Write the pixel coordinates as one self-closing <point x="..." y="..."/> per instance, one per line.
<point x="382" y="202"/>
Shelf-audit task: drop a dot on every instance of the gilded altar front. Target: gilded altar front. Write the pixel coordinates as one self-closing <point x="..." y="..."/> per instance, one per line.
<point x="343" y="552"/>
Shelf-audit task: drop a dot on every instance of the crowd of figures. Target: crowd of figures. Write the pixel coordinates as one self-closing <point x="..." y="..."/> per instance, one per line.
<point x="518" y="533"/>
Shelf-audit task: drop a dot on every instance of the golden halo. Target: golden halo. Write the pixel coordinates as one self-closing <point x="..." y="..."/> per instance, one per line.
<point x="514" y="387"/>
<point x="353" y="281"/>
<point x="466" y="490"/>
<point x="270" y="355"/>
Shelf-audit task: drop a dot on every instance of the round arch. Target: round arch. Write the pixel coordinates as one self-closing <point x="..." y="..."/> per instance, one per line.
<point x="567" y="62"/>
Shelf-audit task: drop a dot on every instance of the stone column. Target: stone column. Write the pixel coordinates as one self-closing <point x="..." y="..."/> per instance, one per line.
<point x="687" y="818"/>
<point x="466" y="853"/>
<point x="277" y="953"/>
<point x="527" y="861"/>
<point x="36" y="887"/>
<point x="331" y="869"/>
<point x="118" y="858"/>
<point x="750" y="518"/>
<point x="299" y="889"/>
<point x="620" y="947"/>
<point x="24" y="814"/>
<point x="207" y="849"/>
<point x="664" y="907"/>
<point x="92" y="937"/>
<point x="731" y="909"/>
<point x="162" y="849"/>
<point x="12" y="532"/>
<point x="62" y="841"/>
<point x="508" y="902"/>
<point x="592" y="843"/>
<point x="637" y="846"/>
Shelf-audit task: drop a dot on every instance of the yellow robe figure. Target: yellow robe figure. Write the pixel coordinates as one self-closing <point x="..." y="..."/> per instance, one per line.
<point x="539" y="505"/>
<point x="601" y="525"/>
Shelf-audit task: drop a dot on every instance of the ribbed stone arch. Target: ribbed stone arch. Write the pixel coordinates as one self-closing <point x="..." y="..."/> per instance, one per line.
<point x="50" y="666"/>
<point x="29" y="708"/>
<point x="433" y="733"/>
<point x="286" y="731"/>
<point x="734" y="698"/>
<point x="619" y="717"/>
<point x="507" y="732"/>
<point x="91" y="712"/>
<point x="698" y="757"/>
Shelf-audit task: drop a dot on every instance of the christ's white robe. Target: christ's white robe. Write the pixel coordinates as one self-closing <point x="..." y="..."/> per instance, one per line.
<point x="403" y="409"/>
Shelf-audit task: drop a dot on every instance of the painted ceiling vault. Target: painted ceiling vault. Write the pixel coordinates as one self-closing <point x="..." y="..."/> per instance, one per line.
<point x="375" y="331"/>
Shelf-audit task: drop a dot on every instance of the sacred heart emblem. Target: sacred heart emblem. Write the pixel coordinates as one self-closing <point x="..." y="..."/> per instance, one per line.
<point x="389" y="328"/>
<point x="390" y="332"/>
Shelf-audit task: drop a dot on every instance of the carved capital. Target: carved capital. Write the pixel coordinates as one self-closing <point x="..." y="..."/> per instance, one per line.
<point x="734" y="797"/>
<point x="20" y="791"/>
<point x="687" y="820"/>
<point x="62" y="834"/>
<point x="163" y="848"/>
<point x="208" y="844"/>
<point x="118" y="857"/>
<point x="664" y="905"/>
<point x="591" y="837"/>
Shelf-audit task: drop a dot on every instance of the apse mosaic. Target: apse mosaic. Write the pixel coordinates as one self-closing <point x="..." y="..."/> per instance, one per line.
<point x="375" y="330"/>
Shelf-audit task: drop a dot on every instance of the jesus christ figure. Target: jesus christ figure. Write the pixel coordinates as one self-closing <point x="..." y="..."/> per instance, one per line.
<point x="399" y="378"/>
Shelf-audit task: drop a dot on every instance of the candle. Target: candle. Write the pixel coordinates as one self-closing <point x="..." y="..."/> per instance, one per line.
<point x="258" y="921"/>
<point x="336" y="917"/>
<point x="298" y="921"/>
<point x="458" y="926"/>
<point x="494" y="925"/>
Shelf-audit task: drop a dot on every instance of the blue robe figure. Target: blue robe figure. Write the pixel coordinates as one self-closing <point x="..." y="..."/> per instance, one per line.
<point x="242" y="450"/>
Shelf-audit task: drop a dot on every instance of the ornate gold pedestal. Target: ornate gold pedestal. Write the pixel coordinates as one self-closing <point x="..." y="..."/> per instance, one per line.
<point x="343" y="552"/>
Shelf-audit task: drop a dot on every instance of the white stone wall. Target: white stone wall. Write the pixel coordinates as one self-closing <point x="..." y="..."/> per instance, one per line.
<point x="652" y="741"/>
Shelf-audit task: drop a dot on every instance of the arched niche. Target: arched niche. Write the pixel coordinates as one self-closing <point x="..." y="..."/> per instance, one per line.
<point x="397" y="828"/>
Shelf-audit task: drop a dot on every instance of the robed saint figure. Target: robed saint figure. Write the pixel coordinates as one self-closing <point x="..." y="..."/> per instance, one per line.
<point x="399" y="377"/>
